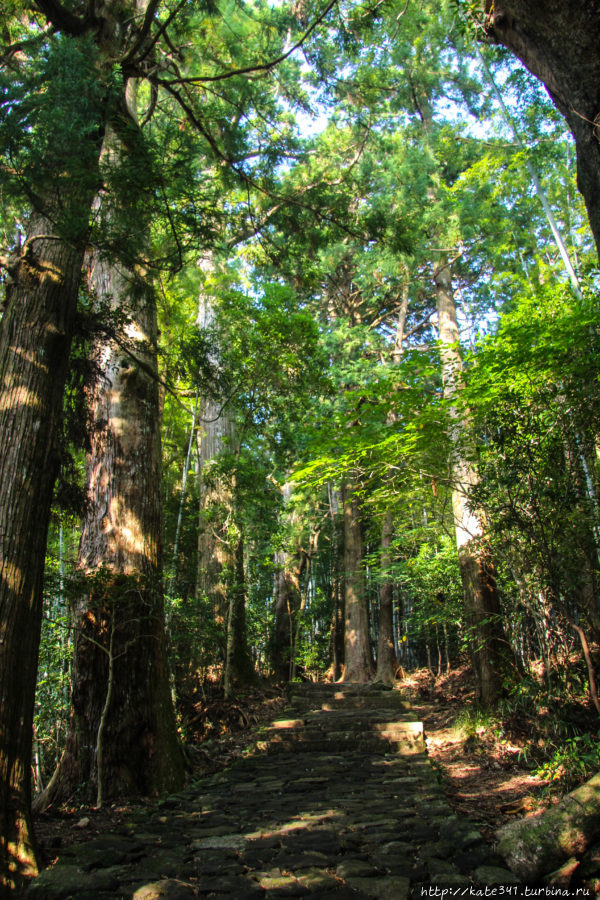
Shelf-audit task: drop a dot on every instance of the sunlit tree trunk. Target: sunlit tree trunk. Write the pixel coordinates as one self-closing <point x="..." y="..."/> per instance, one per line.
<point x="358" y="660"/>
<point x="288" y="572"/>
<point x="337" y="583"/>
<point x="216" y="436"/>
<point x="35" y="337"/>
<point x="387" y="661"/>
<point x="489" y="650"/>
<point x="214" y="550"/>
<point x="123" y="738"/>
<point x="127" y="745"/>
<point x="289" y="565"/>
<point x="221" y="577"/>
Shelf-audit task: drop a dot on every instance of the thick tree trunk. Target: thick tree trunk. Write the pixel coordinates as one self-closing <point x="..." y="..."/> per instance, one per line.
<point x="35" y="337"/>
<point x="387" y="661"/>
<point x="482" y="605"/>
<point x="358" y="660"/>
<point x="558" y="42"/>
<point x="123" y="737"/>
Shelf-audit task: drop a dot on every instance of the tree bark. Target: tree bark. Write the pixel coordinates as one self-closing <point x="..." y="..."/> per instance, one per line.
<point x="387" y="661"/>
<point x="35" y="338"/>
<point x="482" y="605"/>
<point x="537" y="845"/>
<point x="217" y="432"/>
<point x="558" y="43"/>
<point x="119" y="632"/>
<point x="287" y="605"/>
<point x="358" y="660"/>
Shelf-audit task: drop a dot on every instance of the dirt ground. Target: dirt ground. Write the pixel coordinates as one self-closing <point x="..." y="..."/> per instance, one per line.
<point x="483" y="775"/>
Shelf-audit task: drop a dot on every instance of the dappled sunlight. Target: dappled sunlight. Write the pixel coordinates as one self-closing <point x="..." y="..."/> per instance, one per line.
<point x="12" y="575"/>
<point x="16" y="395"/>
<point x="299" y="823"/>
<point x="125" y="529"/>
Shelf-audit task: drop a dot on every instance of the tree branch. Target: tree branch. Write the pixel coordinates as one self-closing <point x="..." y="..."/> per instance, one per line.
<point x="260" y="67"/>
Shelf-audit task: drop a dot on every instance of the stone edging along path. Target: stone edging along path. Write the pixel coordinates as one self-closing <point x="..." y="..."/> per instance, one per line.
<point x="337" y="800"/>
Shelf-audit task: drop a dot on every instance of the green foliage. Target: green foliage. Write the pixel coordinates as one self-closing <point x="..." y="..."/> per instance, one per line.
<point x="576" y="760"/>
<point x="533" y="390"/>
<point x="51" y="120"/>
<point x="52" y="706"/>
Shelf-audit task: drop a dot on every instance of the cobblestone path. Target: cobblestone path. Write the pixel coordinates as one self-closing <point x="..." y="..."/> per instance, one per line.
<point x="337" y="800"/>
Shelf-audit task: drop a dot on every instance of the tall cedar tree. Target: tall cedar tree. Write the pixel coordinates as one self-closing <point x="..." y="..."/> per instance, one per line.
<point x="123" y="737"/>
<point x="35" y="338"/>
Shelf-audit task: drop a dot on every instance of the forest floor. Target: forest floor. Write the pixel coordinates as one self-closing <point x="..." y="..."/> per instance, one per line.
<point x="483" y="775"/>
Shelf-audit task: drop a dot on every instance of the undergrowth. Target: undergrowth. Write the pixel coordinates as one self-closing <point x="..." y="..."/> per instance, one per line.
<point x="545" y="716"/>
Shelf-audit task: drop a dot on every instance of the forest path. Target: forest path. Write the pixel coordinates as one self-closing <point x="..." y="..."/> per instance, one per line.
<point x="336" y="800"/>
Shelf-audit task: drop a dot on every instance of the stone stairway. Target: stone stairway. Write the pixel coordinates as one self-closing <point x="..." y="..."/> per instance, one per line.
<point x="345" y="718"/>
<point x="337" y="801"/>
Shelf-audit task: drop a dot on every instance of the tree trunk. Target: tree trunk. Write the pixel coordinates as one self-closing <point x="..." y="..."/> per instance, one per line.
<point x="289" y="564"/>
<point x="337" y="585"/>
<point x="287" y="605"/>
<point x="537" y="845"/>
<point x="119" y="620"/>
<point x="358" y="661"/>
<point x="217" y="432"/>
<point x="558" y="42"/>
<point x="35" y="338"/>
<point x="220" y="537"/>
<point x="387" y="661"/>
<point x="238" y="664"/>
<point x="482" y="605"/>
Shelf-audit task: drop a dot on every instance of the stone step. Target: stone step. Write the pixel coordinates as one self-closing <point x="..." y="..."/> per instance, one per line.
<point x="409" y="745"/>
<point x="342" y="690"/>
<point x="380" y="737"/>
<point x="336" y="729"/>
<point x="355" y="703"/>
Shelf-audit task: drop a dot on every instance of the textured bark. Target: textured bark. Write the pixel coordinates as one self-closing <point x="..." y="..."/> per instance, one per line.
<point x="482" y="606"/>
<point x="35" y="337"/>
<point x="387" y="661"/>
<point x="217" y="433"/>
<point x="559" y="43"/>
<point x="358" y="660"/>
<point x="119" y="621"/>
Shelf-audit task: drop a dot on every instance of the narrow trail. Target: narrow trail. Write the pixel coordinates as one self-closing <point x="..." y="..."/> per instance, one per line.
<point x="336" y="800"/>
